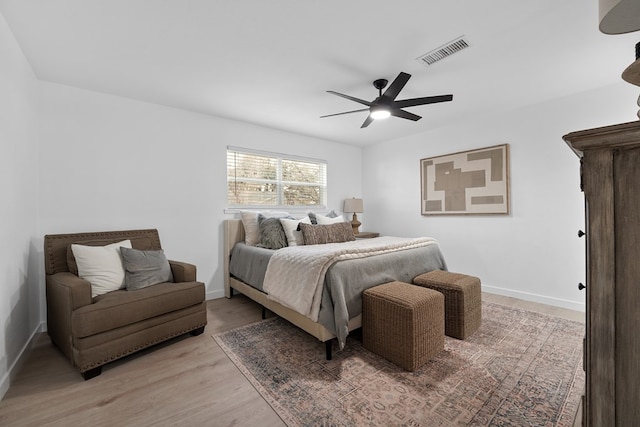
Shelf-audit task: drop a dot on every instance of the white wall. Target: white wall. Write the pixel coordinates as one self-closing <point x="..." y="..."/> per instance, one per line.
<point x="19" y="293"/>
<point x="109" y="163"/>
<point x="533" y="253"/>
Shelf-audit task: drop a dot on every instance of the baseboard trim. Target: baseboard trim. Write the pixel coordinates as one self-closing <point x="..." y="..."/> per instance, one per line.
<point x="13" y="370"/>
<point x="215" y="294"/>
<point x="556" y="302"/>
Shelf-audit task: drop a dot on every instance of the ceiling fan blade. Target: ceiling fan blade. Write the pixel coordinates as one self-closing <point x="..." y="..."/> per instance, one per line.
<point x="405" y="115"/>
<point x="346" y="112"/>
<point x="396" y="86"/>
<point x="367" y="121"/>
<point x="358" y="100"/>
<point x="421" y="101"/>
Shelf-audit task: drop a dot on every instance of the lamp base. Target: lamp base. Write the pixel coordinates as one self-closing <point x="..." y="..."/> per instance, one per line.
<point x="632" y="75"/>
<point x="355" y="224"/>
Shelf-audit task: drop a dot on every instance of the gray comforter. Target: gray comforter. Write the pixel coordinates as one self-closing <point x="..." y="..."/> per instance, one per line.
<point x="345" y="280"/>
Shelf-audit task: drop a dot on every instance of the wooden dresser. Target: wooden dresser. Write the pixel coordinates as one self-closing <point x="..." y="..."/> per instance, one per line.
<point x="610" y="179"/>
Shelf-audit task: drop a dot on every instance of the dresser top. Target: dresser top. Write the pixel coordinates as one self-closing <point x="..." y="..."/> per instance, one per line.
<point x="623" y="135"/>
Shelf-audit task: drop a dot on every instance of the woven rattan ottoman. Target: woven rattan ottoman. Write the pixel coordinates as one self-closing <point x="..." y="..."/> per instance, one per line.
<point x="403" y="323"/>
<point x="462" y="300"/>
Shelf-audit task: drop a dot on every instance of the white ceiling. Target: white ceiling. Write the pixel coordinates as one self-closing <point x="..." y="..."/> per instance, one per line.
<point x="271" y="62"/>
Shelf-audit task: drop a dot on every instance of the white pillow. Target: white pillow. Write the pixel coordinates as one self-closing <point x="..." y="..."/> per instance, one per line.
<point x="294" y="238"/>
<point x="323" y="220"/>
<point x="250" y="223"/>
<point x="101" y="266"/>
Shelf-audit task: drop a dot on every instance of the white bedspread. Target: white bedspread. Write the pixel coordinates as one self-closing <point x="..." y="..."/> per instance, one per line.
<point x="295" y="274"/>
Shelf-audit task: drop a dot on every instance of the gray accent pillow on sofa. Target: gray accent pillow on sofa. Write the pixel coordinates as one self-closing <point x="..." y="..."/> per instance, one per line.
<point x="144" y="268"/>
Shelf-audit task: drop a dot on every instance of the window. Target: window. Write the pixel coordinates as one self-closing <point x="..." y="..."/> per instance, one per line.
<point x="261" y="179"/>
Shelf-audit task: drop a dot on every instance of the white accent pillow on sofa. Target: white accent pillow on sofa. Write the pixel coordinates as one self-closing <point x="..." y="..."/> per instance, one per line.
<point x="101" y="266"/>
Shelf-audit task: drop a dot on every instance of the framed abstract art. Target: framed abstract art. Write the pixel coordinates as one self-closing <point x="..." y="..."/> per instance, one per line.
<point x="468" y="182"/>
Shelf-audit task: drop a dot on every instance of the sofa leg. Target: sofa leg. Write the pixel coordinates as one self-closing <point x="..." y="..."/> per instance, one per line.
<point x="91" y="373"/>
<point x="197" y="332"/>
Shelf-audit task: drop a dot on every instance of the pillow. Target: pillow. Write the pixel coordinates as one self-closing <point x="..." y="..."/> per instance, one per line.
<point x="144" y="268"/>
<point x="322" y="220"/>
<point x="101" y="266"/>
<point x="328" y="233"/>
<point x="71" y="259"/>
<point x="272" y="234"/>
<point x="312" y="216"/>
<point x="290" y="227"/>
<point x="250" y="223"/>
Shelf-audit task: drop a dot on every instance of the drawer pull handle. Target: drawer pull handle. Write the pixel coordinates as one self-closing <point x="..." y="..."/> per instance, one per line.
<point x="581" y="286"/>
<point x="581" y="233"/>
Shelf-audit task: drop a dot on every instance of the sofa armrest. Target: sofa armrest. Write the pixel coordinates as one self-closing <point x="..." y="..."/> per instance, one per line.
<point x="75" y="291"/>
<point x="182" y="271"/>
<point x="66" y="292"/>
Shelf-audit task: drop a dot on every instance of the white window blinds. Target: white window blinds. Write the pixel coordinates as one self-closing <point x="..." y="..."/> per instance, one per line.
<point x="262" y="179"/>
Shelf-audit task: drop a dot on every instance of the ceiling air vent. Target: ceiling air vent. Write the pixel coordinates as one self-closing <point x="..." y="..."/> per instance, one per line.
<point x="443" y="51"/>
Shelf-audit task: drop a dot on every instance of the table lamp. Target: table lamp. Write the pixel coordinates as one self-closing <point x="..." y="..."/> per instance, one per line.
<point x="619" y="17"/>
<point x="355" y="206"/>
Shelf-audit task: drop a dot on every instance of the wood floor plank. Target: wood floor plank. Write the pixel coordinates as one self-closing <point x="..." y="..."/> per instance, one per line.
<point x="185" y="381"/>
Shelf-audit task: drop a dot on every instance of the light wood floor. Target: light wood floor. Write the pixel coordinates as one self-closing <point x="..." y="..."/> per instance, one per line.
<point x="188" y="381"/>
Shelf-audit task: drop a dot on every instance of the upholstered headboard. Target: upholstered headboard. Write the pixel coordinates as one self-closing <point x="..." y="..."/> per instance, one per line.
<point x="233" y="233"/>
<point x="56" y="245"/>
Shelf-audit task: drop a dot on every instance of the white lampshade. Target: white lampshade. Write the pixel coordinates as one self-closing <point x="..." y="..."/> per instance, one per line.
<point x="619" y="16"/>
<point x="353" y="205"/>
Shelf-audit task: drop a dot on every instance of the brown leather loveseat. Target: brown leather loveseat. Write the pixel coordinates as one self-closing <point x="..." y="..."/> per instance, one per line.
<point x="94" y="331"/>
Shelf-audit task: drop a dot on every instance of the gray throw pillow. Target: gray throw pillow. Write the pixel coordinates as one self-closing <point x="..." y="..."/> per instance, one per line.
<point x="272" y="235"/>
<point x="144" y="268"/>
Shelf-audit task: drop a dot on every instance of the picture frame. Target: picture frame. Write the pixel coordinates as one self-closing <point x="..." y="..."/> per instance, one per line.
<point x="473" y="182"/>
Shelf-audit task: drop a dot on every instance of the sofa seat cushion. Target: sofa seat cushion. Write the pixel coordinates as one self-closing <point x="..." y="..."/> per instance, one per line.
<point x="182" y="319"/>
<point x="121" y="308"/>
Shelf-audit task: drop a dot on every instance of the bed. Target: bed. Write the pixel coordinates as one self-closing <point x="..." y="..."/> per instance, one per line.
<point x="339" y="310"/>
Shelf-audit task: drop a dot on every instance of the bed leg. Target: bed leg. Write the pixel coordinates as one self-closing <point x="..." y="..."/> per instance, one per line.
<point x="328" y="349"/>
<point x="264" y="313"/>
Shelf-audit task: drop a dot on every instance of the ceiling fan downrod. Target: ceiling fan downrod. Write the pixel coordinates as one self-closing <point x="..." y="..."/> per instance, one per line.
<point x="380" y="84"/>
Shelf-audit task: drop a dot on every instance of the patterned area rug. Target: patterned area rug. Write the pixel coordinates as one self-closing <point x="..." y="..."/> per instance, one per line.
<point x="519" y="369"/>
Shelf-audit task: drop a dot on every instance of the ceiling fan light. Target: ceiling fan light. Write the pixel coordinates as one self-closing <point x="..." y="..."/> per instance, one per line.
<point x="380" y="114"/>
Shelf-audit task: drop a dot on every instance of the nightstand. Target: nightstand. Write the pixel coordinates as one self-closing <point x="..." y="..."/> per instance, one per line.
<point x="366" y="235"/>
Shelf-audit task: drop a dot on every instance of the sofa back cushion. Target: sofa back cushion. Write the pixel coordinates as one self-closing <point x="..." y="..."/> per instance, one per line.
<point x="58" y="246"/>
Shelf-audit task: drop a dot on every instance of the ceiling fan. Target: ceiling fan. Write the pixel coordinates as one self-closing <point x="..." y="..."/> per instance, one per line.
<point x="385" y="104"/>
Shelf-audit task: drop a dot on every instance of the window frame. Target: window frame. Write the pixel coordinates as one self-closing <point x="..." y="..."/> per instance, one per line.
<point x="279" y="181"/>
